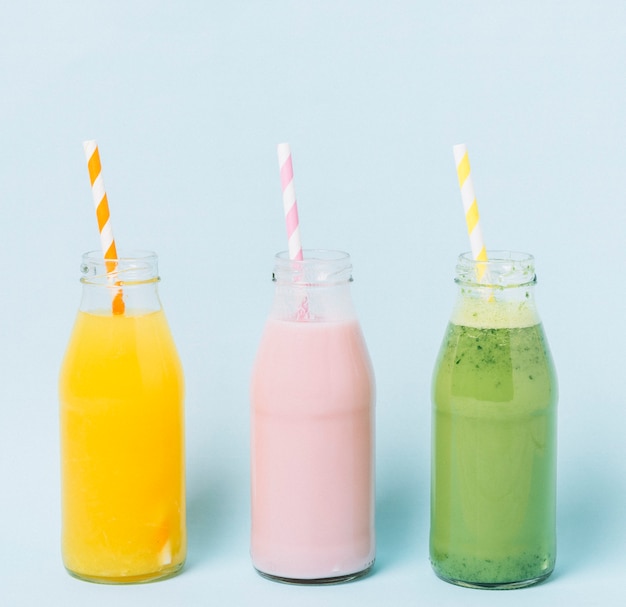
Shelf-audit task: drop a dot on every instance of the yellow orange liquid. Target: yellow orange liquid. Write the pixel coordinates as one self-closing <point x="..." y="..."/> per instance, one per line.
<point x="123" y="486"/>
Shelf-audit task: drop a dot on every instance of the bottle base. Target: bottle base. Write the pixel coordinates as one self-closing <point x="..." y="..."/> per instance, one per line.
<point x="144" y="578"/>
<point x="495" y="585"/>
<point x="325" y="581"/>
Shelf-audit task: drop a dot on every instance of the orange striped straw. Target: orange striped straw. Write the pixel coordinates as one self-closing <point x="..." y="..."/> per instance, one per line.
<point x="104" y="218"/>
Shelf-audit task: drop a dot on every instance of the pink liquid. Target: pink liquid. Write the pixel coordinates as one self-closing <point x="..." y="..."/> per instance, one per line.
<point x="312" y="451"/>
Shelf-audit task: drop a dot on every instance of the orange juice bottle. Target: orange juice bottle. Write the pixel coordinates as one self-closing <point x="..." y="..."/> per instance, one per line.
<point x="122" y="434"/>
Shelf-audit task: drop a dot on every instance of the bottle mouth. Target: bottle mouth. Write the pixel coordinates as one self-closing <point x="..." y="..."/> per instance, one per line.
<point x="132" y="268"/>
<point x="501" y="269"/>
<point x="317" y="267"/>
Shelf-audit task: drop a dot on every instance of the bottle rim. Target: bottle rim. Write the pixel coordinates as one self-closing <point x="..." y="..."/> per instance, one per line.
<point x="502" y="269"/>
<point x="318" y="266"/>
<point x="130" y="268"/>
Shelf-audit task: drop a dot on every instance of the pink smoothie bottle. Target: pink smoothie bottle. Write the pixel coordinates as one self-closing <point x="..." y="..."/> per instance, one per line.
<point x="312" y="434"/>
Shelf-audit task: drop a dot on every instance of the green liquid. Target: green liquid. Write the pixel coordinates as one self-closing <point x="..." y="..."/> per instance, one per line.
<point x="494" y="457"/>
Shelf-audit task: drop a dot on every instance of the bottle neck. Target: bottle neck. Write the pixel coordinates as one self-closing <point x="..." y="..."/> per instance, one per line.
<point x="314" y="289"/>
<point x="496" y="293"/>
<point x="133" y="277"/>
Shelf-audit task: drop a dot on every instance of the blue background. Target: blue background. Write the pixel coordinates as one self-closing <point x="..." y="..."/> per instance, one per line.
<point x="187" y="101"/>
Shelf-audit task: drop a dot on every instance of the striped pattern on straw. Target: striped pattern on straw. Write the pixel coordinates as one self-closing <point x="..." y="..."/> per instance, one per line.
<point x="100" y="199"/>
<point x="289" y="201"/>
<point x="470" y="206"/>
<point x="103" y="216"/>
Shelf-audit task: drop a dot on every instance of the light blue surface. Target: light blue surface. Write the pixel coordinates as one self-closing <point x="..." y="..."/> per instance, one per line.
<point x="187" y="101"/>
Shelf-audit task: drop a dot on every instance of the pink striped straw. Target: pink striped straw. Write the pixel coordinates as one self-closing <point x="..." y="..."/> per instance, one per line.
<point x="290" y="204"/>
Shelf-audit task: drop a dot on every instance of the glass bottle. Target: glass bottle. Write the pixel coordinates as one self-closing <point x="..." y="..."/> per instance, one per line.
<point x="312" y="458"/>
<point x="494" y="394"/>
<point x="122" y="436"/>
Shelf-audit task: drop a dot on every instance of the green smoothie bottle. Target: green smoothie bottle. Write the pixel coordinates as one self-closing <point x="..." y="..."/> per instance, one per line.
<point x="493" y="493"/>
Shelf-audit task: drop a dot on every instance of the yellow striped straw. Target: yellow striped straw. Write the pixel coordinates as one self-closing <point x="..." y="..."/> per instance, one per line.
<point x="470" y="206"/>
<point x="103" y="216"/>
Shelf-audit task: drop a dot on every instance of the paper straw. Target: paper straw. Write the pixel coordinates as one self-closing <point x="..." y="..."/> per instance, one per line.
<point x="289" y="201"/>
<point x="292" y="222"/>
<point x="470" y="206"/>
<point x="102" y="214"/>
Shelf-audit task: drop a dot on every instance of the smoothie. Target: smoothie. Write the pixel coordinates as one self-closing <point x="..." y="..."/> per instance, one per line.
<point x="312" y="396"/>
<point x="123" y="490"/>
<point x="494" y="453"/>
